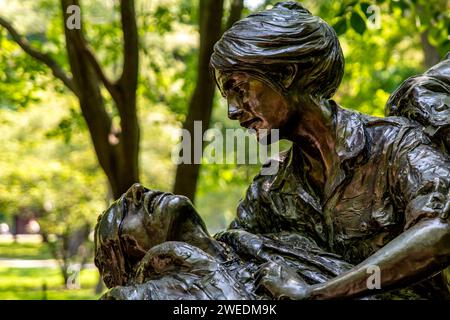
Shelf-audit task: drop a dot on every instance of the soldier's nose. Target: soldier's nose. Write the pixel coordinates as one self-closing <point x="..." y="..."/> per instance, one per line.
<point x="234" y="112"/>
<point x="136" y="193"/>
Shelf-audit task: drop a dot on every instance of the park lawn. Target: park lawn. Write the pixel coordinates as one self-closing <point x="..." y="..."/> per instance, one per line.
<point x="24" y="250"/>
<point x="28" y="283"/>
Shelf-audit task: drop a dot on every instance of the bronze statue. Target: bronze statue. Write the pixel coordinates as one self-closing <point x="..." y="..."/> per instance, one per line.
<point x="154" y="245"/>
<point x="426" y="99"/>
<point x="353" y="192"/>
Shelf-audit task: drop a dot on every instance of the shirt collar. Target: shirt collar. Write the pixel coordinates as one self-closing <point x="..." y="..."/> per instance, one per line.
<point x="350" y="133"/>
<point x="351" y="141"/>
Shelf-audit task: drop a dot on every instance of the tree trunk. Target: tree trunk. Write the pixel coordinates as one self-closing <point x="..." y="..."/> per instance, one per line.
<point x="200" y="107"/>
<point x="235" y="12"/>
<point x="430" y="53"/>
<point x="117" y="149"/>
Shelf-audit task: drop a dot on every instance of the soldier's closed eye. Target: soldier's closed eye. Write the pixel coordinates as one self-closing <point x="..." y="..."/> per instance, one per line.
<point x="442" y="107"/>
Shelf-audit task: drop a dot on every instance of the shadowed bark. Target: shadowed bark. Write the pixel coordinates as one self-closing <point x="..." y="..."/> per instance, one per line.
<point x="430" y="53"/>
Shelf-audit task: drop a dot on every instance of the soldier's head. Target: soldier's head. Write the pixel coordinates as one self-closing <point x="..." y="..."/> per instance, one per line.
<point x="138" y="221"/>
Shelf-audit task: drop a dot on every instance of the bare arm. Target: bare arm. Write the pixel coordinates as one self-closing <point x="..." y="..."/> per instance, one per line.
<point x="416" y="254"/>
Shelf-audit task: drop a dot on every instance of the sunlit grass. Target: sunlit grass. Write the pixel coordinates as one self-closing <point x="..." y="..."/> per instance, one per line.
<point x="29" y="283"/>
<point x="43" y="282"/>
<point x="27" y="250"/>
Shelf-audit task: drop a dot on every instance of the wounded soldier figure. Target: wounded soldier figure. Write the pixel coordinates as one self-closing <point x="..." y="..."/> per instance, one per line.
<point x="353" y="194"/>
<point x="154" y="245"/>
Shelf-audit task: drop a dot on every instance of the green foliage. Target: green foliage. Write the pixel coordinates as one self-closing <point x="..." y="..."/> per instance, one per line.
<point x="18" y="72"/>
<point x="68" y="126"/>
<point x="49" y="178"/>
<point x="340" y="26"/>
<point x="357" y="22"/>
<point x="422" y="15"/>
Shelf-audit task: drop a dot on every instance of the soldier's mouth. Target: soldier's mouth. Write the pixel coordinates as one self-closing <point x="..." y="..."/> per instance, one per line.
<point x="152" y="199"/>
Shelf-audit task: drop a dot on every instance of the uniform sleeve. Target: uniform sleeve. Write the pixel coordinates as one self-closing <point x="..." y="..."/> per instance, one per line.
<point x="255" y="211"/>
<point x="420" y="176"/>
<point x="252" y="215"/>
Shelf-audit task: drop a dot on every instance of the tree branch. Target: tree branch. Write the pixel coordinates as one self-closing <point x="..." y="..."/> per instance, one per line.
<point x="109" y="85"/>
<point x="130" y="45"/>
<point x="82" y="45"/>
<point x="91" y="100"/>
<point x="236" y="8"/>
<point x="58" y="72"/>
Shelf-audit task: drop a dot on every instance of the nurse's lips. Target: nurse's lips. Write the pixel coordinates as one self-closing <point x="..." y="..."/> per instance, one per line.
<point x="248" y="123"/>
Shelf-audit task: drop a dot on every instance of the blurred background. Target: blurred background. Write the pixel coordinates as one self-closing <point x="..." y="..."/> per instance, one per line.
<point x="85" y="112"/>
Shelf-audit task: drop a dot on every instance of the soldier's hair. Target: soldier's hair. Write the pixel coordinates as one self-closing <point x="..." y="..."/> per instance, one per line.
<point x="271" y="44"/>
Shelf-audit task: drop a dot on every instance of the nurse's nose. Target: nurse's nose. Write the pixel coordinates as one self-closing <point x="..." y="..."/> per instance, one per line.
<point x="234" y="112"/>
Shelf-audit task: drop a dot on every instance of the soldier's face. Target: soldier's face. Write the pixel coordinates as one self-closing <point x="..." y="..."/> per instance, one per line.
<point x="255" y="104"/>
<point x="140" y="220"/>
<point x="151" y="217"/>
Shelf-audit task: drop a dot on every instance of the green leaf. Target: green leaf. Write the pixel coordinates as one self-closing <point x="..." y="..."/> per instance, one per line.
<point x="437" y="36"/>
<point x="448" y="31"/>
<point x="402" y="4"/>
<point x="164" y="19"/>
<point x="364" y="7"/>
<point x="341" y="10"/>
<point x="341" y="26"/>
<point x="358" y="23"/>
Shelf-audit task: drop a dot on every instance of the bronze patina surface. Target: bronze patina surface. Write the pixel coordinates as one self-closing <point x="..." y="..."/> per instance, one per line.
<point x="353" y="192"/>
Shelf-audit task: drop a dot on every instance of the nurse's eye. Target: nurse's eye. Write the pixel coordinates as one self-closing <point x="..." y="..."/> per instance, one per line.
<point x="240" y="92"/>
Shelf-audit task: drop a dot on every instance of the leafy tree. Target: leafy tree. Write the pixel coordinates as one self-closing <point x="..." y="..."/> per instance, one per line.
<point x="56" y="182"/>
<point x="116" y="144"/>
<point x="429" y="20"/>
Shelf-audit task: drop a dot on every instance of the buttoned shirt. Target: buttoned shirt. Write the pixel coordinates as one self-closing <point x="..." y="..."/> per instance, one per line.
<point x="388" y="177"/>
